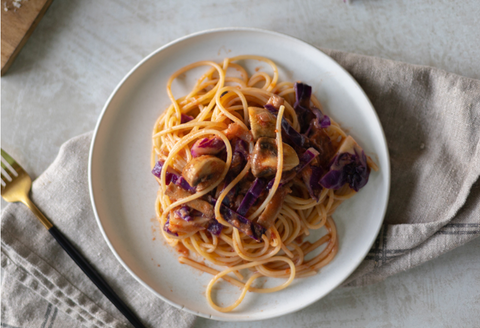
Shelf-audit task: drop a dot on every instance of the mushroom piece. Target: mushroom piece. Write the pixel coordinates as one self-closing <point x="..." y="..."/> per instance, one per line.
<point x="262" y="122"/>
<point x="177" y="224"/>
<point x="202" y="171"/>
<point x="175" y="193"/>
<point x="264" y="158"/>
<point x="235" y="130"/>
<point x="268" y="216"/>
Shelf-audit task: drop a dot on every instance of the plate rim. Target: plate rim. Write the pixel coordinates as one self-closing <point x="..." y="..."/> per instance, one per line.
<point x="101" y="117"/>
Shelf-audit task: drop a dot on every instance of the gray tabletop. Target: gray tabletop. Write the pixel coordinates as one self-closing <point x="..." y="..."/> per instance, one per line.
<point x="81" y="49"/>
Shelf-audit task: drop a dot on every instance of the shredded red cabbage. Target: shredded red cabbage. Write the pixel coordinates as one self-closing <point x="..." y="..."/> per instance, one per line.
<point x="311" y="176"/>
<point x="166" y="227"/>
<point x="303" y="92"/>
<point x="272" y="109"/>
<point x="214" y="227"/>
<point x="180" y="181"/>
<point x="172" y="176"/>
<point x="184" y="213"/>
<point x="347" y="168"/>
<point x="185" y="118"/>
<point x="207" y="146"/>
<point x="289" y="135"/>
<point x="251" y="196"/>
<point x="251" y="229"/>
<point x="157" y="171"/>
<point x="307" y="157"/>
<point x="239" y="157"/>
<point x="321" y="120"/>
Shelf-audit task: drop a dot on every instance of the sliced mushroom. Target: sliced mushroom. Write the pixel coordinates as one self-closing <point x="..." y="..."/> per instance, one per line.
<point x="262" y="122"/>
<point x="175" y="193"/>
<point x="202" y="171"/>
<point x="264" y="158"/>
<point x="235" y="130"/>
<point x="177" y="224"/>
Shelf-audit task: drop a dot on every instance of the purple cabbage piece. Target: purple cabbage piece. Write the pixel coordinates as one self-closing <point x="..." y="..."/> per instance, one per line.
<point x="251" y="196"/>
<point x="321" y="120"/>
<point x="239" y="157"/>
<point x="207" y="146"/>
<point x="176" y="178"/>
<point x="157" y="171"/>
<point x="214" y="227"/>
<point x="251" y="229"/>
<point x="272" y="109"/>
<point x="286" y="178"/>
<point x="184" y="213"/>
<point x="166" y="227"/>
<point x="307" y="157"/>
<point x="181" y="182"/>
<point x="306" y="115"/>
<point x="185" y="118"/>
<point x="303" y="92"/>
<point x="347" y="168"/>
<point x="289" y="135"/>
<point x="311" y="177"/>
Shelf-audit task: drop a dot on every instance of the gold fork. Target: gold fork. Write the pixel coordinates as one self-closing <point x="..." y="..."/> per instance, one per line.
<point x="16" y="184"/>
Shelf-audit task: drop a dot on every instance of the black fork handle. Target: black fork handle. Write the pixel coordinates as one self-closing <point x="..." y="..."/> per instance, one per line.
<point x="95" y="277"/>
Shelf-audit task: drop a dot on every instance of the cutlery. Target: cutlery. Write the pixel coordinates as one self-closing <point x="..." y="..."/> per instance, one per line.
<point x="16" y="184"/>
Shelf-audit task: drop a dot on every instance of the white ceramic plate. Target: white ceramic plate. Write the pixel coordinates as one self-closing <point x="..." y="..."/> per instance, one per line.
<point x="123" y="190"/>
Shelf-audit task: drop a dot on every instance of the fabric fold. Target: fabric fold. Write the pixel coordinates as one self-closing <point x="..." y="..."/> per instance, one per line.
<point x="431" y="119"/>
<point x="37" y="262"/>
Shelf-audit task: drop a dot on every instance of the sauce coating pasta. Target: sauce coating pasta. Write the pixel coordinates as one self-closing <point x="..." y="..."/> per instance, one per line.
<point x="247" y="167"/>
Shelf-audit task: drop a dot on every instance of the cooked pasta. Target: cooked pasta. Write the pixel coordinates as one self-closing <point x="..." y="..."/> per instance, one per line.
<point x="247" y="167"/>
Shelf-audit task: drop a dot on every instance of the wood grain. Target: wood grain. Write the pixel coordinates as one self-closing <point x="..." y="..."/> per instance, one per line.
<point x="18" y="23"/>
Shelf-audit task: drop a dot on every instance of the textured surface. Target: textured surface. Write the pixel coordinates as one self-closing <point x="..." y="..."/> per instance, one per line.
<point x="81" y="49"/>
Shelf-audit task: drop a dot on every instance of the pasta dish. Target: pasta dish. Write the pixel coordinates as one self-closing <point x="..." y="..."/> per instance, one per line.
<point x="248" y="166"/>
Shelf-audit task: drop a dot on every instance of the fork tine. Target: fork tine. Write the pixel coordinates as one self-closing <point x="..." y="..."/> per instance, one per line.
<point x="5" y="176"/>
<point x="3" y="182"/>
<point x="8" y="163"/>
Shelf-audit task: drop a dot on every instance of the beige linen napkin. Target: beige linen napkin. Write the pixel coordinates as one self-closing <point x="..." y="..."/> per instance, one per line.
<point x="432" y="122"/>
<point x="431" y="119"/>
<point x="42" y="287"/>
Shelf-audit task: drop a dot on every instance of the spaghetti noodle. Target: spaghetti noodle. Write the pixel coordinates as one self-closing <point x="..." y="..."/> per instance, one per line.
<point x="248" y="166"/>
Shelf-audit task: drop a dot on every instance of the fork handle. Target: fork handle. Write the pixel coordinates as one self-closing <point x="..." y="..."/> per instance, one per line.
<point x="46" y="223"/>
<point x="94" y="277"/>
<point x="83" y="264"/>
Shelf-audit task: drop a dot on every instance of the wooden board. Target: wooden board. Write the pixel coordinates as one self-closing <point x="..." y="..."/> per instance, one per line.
<point x="19" y="19"/>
